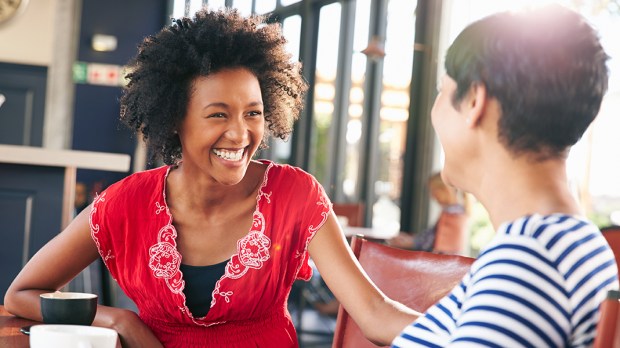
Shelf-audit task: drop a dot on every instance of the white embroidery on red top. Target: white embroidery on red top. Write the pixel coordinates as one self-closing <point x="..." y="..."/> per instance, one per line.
<point x="313" y="229"/>
<point x="165" y="259"/>
<point x="160" y="208"/>
<point x="252" y="251"/>
<point x="94" y="229"/>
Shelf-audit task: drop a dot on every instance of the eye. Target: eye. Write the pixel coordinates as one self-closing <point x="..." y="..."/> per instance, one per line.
<point x="255" y="113"/>
<point x="217" y="115"/>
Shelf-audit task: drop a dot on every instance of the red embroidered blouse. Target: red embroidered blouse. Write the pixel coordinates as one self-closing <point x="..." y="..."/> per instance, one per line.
<point x="132" y="227"/>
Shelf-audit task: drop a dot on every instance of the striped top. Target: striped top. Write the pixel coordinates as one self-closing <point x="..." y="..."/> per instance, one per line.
<point x="538" y="283"/>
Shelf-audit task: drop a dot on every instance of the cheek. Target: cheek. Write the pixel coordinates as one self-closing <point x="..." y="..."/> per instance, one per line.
<point x="260" y="128"/>
<point x="439" y="122"/>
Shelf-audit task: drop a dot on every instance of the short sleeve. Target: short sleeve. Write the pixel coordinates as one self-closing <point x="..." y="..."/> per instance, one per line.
<point x="100" y="227"/>
<point x="315" y="210"/>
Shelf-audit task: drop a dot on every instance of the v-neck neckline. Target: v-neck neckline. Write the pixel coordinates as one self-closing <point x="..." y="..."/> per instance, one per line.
<point x="259" y="194"/>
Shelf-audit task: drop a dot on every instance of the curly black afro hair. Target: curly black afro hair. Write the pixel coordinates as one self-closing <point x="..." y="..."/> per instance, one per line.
<point x="162" y="73"/>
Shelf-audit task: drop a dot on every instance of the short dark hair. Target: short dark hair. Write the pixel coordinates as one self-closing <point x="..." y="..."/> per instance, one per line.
<point x="545" y="66"/>
<point x="162" y="73"/>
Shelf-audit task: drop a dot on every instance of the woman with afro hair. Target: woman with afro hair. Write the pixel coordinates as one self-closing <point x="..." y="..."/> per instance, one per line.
<point x="209" y="244"/>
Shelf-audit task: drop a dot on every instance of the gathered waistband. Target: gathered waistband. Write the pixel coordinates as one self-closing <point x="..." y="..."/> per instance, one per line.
<point x="276" y="325"/>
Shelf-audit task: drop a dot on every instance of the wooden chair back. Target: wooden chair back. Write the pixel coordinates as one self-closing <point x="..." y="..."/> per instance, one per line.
<point x="417" y="279"/>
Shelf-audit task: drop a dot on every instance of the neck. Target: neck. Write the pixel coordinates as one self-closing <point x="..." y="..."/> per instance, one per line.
<point x="205" y="194"/>
<point x="519" y="186"/>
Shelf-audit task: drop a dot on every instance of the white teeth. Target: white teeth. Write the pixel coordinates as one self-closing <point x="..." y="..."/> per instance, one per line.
<point x="229" y="155"/>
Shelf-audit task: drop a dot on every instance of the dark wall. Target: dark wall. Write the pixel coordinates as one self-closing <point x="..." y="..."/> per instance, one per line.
<point x="96" y="125"/>
<point x="22" y="113"/>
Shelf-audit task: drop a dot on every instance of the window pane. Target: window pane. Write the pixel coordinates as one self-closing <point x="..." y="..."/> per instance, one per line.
<point x="288" y="2"/>
<point x="394" y="112"/>
<point x="291" y="28"/>
<point x="324" y="89"/>
<point x="356" y="101"/>
<point x="244" y="6"/>
<point x="215" y="4"/>
<point x="194" y="6"/>
<point x="178" y="9"/>
<point x="264" y="6"/>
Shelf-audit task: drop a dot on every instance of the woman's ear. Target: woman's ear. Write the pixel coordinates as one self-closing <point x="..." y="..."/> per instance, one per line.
<point x="474" y="105"/>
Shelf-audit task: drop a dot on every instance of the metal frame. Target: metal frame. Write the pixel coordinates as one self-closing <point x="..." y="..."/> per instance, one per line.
<point x="419" y="154"/>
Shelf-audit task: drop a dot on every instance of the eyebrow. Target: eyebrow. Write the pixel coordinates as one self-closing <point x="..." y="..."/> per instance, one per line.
<point x="224" y="105"/>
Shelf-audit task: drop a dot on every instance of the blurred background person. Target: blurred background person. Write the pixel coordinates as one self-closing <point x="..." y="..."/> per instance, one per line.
<point x="449" y="234"/>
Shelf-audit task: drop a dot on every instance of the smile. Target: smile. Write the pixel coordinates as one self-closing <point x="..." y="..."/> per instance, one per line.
<point x="229" y="155"/>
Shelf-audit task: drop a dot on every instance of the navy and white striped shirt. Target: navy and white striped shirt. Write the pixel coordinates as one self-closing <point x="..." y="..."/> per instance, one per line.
<point x="538" y="283"/>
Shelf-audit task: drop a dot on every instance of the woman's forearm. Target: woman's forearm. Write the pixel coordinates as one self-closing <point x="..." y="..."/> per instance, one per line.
<point x="132" y="331"/>
<point x="387" y="321"/>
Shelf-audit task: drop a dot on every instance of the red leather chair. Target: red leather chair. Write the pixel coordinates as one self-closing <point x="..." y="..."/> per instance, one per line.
<point x="608" y="328"/>
<point x="612" y="234"/>
<point x="417" y="279"/>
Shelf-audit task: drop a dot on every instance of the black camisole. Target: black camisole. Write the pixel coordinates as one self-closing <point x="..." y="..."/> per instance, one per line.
<point x="199" y="284"/>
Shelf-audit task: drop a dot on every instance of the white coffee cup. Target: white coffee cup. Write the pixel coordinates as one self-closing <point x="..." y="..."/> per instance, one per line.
<point x="71" y="336"/>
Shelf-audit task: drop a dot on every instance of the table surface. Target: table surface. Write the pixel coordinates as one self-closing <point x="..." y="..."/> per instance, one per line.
<point x="10" y="336"/>
<point x="368" y="232"/>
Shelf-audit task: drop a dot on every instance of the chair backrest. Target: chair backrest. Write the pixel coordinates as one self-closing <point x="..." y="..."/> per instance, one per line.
<point x="608" y="328"/>
<point x="354" y="212"/>
<point x="612" y="234"/>
<point x="417" y="279"/>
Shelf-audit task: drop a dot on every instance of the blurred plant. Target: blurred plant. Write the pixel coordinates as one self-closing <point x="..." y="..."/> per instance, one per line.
<point x="481" y="230"/>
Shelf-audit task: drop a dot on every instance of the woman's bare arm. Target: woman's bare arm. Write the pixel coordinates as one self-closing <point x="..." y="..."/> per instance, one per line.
<point x="54" y="265"/>
<point x="366" y="304"/>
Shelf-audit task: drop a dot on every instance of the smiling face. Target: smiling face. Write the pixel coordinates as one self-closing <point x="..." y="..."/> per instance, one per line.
<point x="224" y="125"/>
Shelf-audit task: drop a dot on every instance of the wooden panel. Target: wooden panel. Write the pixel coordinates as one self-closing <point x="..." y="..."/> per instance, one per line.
<point x="22" y="112"/>
<point x="16" y="215"/>
<point x="31" y="206"/>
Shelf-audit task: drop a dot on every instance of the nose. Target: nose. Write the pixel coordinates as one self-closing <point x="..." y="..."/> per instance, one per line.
<point x="237" y="130"/>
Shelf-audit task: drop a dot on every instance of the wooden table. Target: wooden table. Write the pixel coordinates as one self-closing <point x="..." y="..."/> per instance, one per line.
<point x="10" y="336"/>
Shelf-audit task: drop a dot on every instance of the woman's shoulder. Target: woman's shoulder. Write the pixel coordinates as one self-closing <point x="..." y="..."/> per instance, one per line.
<point x="559" y="240"/>
<point x="550" y="228"/>
<point x="288" y="173"/>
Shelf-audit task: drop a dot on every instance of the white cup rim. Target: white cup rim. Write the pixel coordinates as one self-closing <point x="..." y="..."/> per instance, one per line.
<point x="68" y="295"/>
<point x="63" y="329"/>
